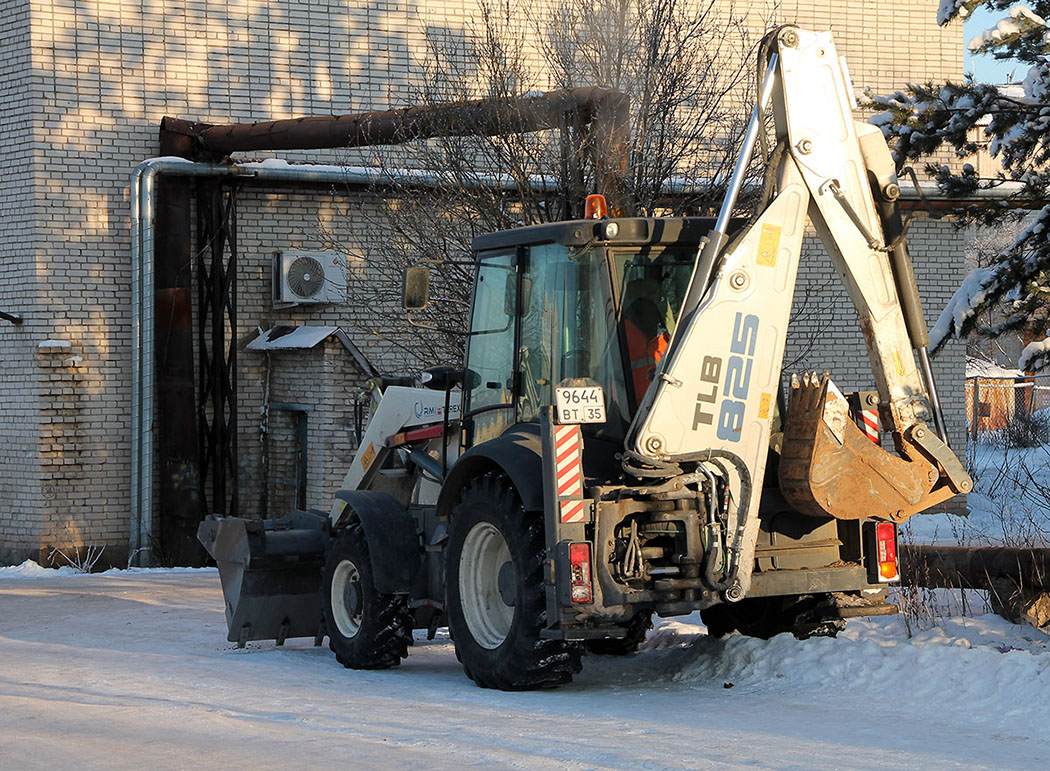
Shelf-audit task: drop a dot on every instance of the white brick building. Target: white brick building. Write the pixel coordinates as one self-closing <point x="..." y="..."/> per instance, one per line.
<point x="83" y="87"/>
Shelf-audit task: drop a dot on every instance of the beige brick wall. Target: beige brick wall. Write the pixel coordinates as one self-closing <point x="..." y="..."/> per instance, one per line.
<point x="887" y="44"/>
<point x="84" y="85"/>
<point x="20" y="493"/>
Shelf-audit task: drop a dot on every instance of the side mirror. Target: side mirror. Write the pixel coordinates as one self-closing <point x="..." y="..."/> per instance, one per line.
<point x="415" y="294"/>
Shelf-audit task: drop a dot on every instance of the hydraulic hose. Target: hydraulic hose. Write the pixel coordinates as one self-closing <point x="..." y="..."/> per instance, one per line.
<point x="730" y="582"/>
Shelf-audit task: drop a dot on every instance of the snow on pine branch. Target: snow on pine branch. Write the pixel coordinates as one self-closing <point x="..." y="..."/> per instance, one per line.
<point x="1009" y="278"/>
<point x="1020" y="20"/>
<point x="949" y="9"/>
<point x="961" y="310"/>
<point x="1035" y="356"/>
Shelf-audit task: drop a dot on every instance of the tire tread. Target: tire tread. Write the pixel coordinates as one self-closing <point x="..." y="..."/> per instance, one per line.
<point x="529" y="661"/>
<point x="386" y="630"/>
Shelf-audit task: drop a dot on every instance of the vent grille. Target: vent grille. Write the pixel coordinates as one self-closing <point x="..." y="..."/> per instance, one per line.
<point x="305" y="277"/>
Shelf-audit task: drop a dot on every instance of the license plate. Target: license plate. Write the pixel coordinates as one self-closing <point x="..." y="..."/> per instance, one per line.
<point x="580" y="404"/>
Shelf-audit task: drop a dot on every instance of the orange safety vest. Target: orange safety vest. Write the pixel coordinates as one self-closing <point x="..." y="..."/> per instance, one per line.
<point x="645" y="355"/>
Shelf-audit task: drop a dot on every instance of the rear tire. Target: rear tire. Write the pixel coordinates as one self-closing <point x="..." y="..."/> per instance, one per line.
<point x="366" y="629"/>
<point x="497" y="602"/>
<point x="637" y="629"/>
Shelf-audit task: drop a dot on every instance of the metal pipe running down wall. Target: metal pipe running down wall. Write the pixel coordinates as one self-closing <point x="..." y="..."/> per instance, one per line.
<point x="143" y="240"/>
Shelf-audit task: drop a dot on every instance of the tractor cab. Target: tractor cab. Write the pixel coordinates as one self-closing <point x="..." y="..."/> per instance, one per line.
<point x="591" y="300"/>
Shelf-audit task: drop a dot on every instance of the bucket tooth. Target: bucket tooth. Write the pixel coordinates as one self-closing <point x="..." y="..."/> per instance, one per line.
<point x="828" y="467"/>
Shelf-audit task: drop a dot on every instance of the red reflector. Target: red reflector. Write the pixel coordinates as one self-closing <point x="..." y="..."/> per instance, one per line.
<point x="594" y="208"/>
<point x="886" y="545"/>
<point x="580" y="587"/>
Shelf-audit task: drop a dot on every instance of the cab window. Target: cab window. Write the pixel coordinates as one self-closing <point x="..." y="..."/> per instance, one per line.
<point x="652" y="286"/>
<point x="489" y="386"/>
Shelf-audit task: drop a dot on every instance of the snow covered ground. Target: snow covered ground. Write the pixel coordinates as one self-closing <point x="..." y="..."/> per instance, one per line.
<point x="130" y="669"/>
<point x="1010" y="504"/>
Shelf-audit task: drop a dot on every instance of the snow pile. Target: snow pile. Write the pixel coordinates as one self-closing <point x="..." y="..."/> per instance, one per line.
<point x="980" y="664"/>
<point x="328" y="168"/>
<point x="989" y="369"/>
<point x="157" y="571"/>
<point x="30" y="569"/>
<point x="672" y="633"/>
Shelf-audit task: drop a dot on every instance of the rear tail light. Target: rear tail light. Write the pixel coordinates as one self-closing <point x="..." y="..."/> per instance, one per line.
<point x="580" y="585"/>
<point x="886" y="551"/>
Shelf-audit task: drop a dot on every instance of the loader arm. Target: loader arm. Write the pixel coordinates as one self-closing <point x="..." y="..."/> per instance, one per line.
<point x="396" y="413"/>
<point x="713" y="395"/>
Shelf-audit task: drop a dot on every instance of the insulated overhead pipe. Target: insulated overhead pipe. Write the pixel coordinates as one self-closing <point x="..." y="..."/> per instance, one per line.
<point x="484" y="117"/>
<point x="974" y="567"/>
<point x="606" y="113"/>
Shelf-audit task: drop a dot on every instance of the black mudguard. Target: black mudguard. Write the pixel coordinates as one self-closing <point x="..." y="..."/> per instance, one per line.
<point x="516" y="453"/>
<point x="393" y="540"/>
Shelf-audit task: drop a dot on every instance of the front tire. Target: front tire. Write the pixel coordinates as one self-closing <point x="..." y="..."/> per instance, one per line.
<point x="366" y="629"/>
<point x="497" y="602"/>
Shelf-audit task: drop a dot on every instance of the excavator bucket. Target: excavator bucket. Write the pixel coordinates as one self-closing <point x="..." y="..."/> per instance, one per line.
<point x="828" y="467"/>
<point x="270" y="572"/>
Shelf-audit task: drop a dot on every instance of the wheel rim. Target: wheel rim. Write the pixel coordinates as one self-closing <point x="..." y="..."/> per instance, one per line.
<point x="488" y="616"/>
<point x="346" y="598"/>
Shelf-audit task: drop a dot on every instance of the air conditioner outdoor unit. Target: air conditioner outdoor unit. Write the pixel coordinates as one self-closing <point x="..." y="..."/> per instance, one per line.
<point x="301" y="277"/>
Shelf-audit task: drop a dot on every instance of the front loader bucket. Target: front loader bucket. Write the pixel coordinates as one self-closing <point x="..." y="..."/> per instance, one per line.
<point x="270" y="572"/>
<point x="828" y="467"/>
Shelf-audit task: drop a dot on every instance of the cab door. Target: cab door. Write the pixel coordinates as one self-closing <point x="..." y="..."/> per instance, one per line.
<point x="490" y="382"/>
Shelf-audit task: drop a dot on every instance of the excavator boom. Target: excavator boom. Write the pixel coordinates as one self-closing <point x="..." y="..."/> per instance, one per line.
<point x="717" y="385"/>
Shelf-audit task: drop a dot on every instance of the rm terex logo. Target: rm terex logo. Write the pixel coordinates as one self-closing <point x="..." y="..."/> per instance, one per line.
<point x="737" y="382"/>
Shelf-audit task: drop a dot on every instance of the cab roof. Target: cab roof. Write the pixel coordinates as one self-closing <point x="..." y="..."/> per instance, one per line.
<point x="647" y="231"/>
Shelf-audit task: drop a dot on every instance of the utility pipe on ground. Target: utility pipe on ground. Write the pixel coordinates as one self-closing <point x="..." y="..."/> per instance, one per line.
<point x="975" y="567"/>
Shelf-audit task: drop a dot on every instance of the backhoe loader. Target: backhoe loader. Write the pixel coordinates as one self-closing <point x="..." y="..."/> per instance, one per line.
<point x="619" y="442"/>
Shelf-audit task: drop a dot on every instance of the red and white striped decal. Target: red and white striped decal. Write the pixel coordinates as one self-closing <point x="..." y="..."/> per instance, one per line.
<point x="868" y="420"/>
<point x="571" y="512"/>
<point x="569" y="474"/>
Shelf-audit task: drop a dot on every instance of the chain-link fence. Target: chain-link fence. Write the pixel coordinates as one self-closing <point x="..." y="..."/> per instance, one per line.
<point x="994" y="405"/>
